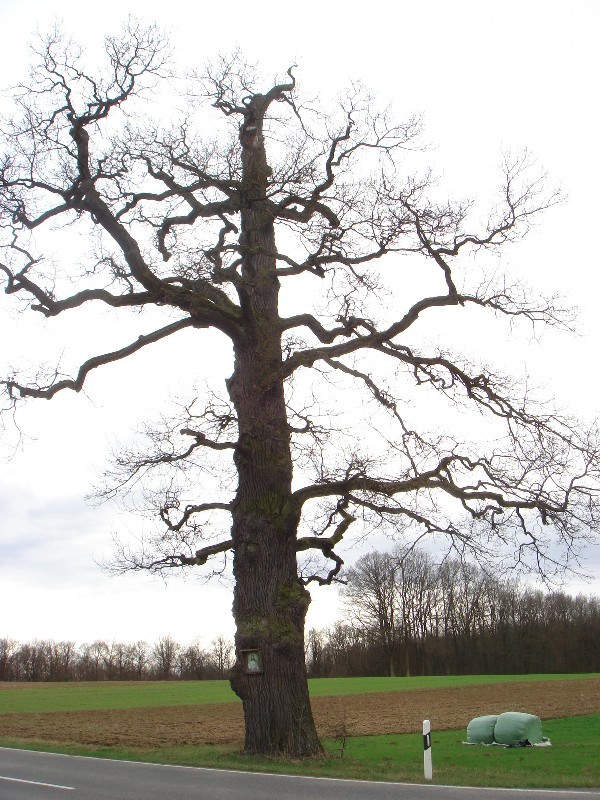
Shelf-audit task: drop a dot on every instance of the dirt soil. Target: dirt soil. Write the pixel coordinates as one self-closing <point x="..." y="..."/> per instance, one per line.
<point x="356" y="715"/>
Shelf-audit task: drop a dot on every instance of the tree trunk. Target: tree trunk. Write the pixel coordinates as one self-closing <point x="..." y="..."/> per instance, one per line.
<point x="270" y="603"/>
<point x="269" y="609"/>
<point x="391" y="669"/>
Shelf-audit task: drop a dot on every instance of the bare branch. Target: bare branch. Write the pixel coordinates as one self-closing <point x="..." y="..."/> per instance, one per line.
<point x="14" y="389"/>
<point x="326" y="545"/>
<point x="128" y="560"/>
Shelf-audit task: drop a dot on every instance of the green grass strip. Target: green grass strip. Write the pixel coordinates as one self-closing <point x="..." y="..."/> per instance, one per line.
<point x="329" y="687"/>
<point x="97" y="696"/>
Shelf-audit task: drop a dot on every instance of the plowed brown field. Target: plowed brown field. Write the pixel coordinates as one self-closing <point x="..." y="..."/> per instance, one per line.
<point x="357" y="715"/>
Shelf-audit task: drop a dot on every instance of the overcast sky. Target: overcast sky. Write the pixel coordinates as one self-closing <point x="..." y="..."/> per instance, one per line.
<point x="486" y="77"/>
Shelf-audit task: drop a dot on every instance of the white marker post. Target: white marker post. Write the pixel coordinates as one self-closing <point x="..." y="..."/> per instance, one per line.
<point x="428" y="766"/>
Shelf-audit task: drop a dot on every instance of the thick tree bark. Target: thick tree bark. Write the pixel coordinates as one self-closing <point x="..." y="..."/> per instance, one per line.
<point x="270" y="603"/>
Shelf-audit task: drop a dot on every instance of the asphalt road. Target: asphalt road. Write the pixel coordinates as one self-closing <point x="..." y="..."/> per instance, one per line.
<point x="26" y="775"/>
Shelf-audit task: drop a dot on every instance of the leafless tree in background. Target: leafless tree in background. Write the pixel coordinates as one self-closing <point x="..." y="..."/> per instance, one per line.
<point x="285" y="207"/>
<point x="165" y="654"/>
<point x="454" y="618"/>
<point x="221" y="652"/>
<point x="372" y="598"/>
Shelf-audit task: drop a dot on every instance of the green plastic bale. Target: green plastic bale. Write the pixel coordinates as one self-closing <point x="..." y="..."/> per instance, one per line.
<point x="514" y="728"/>
<point x="481" y="729"/>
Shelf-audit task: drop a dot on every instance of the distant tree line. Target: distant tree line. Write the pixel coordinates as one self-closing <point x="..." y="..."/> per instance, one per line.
<point x="407" y="615"/>
<point x="98" y="661"/>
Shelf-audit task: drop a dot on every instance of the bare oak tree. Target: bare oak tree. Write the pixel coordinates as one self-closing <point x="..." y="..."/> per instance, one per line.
<point x="302" y="238"/>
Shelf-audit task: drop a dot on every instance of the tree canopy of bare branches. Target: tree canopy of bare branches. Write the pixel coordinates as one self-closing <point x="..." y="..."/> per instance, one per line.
<point x="305" y="240"/>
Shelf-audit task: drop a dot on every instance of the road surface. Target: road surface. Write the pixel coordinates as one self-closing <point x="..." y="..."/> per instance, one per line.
<point x="27" y="775"/>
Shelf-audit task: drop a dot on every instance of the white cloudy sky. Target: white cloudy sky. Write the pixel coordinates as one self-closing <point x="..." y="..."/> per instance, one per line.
<point x="485" y="76"/>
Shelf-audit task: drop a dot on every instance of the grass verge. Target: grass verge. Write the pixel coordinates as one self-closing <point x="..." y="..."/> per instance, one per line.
<point x="573" y="761"/>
